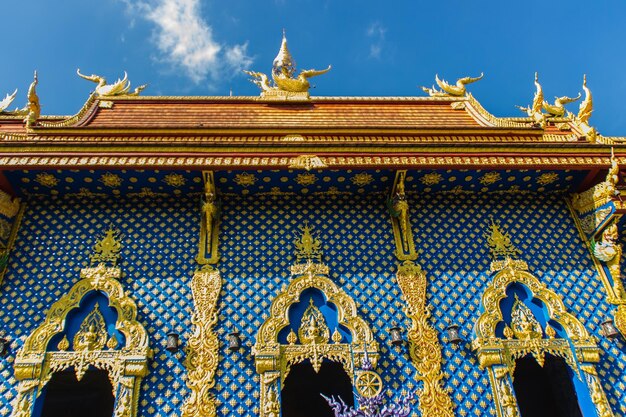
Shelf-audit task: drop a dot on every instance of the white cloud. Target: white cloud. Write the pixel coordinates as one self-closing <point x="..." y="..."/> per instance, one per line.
<point x="185" y="39"/>
<point x="376" y="32"/>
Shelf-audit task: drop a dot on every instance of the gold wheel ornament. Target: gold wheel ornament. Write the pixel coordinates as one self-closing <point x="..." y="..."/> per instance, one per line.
<point x="369" y="384"/>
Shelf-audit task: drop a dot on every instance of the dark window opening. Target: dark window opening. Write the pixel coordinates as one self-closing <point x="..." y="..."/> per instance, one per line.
<point x="64" y="396"/>
<point x="301" y="397"/>
<point x="546" y="391"/>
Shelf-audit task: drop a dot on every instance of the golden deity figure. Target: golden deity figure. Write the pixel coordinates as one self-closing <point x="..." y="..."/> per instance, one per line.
<point x="34" y="109"/>
<point x="558" y="108"/>
<point x="6" y="102"/>
<point x="449" y="90"/>
<point x="524" y="324"/>
<point x="313" y="328"/>
<point x="535" y="110"/>
<point x="272" y="407"/>
<point x="209" y="211"/>
<point x="92" y="334"/>
<point x="119" y="88"/>
<point x="401" y="210"/>
<point x="283" y="75"/>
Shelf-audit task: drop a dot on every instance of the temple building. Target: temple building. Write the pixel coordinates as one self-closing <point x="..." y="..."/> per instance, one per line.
<point x="286" y="255"/>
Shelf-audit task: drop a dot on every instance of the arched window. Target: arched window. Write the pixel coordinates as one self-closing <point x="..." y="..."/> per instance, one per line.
<point x="524" y="324"/>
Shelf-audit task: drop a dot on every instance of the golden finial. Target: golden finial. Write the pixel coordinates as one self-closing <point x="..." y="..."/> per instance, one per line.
<point x="64" y="344"/>
<point x="612" y="176"/>
<point x="292" y="338"/>
<point x="586" y="107"/>
<point x="283" y="74"/>
<point x="500" y="244"/>
<point x="457" y="90"/>
<point x="34" y="109"/>
<point x="534" y="111"/>
<point x="107" y="250"/>
<point x="283" y="64"/>
<point x="119" y="88"/>
<point x="336" y="337"/>
<point x="6" y="102"/>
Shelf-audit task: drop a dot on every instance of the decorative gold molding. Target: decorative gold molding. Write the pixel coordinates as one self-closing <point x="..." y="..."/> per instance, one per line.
<point x="209" y="223"/>
<point x="499" y="355"/>
<point x="203" y="345"/>
<point x="307" y="162"/>
<point x="106" y="161"/>
<point x="424" y="346"/>
<point x="125" y="365"/>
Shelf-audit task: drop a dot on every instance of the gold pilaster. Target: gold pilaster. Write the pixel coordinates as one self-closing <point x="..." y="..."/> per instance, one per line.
<point x="202" y="346"/>
<point x="210" y="221"/>
<point x="424" y="346"/>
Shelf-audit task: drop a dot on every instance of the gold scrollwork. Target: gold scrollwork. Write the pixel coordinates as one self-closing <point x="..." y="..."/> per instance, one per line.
<point x="203" y="345"/>
<point x="424" y="346"/>
<point x="34" y="364"/>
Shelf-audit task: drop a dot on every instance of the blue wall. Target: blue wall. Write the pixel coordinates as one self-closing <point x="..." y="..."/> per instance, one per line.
<point x="256" y="243"/>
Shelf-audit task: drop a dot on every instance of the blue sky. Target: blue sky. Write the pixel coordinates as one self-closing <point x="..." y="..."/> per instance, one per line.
<point x="198" y="47"/>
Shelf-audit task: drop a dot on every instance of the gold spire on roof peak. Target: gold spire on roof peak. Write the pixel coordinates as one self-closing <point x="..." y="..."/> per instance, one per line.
<point x="286" y="85"/>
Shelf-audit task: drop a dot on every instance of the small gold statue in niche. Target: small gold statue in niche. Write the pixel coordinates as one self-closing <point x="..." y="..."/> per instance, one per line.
<point x="523" y="322"/>
<point x="92" y="334"/>
<point x="313" y="328"/>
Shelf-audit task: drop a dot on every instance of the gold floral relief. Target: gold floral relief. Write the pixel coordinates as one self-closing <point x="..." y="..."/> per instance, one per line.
<point x="203" y="345"/>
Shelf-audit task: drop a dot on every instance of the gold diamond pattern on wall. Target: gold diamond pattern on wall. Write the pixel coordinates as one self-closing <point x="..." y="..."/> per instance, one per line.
<point x="159" y="243"/>
<point x="256" y="242"/>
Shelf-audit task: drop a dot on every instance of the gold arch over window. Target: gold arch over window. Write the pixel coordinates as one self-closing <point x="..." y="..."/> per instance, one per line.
<point x="273" y="359"/>
<point x="498" y="355"/>
<point x="125" y="364"/>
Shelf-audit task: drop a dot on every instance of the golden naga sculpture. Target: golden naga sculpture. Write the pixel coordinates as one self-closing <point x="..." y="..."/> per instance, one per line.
<point x="283" y="75"/>
<point x="6" y="102"/>
<point x="33" y="106"/>
<point x="558" y="108"/>
<point x="119" y="88"/>
<point x="449" y="90"/>
<point x="534" y="111"/>
<point x="584" y="113"/>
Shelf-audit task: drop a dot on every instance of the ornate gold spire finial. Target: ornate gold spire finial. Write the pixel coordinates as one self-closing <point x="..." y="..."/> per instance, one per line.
<point x="534" y="111"/>
<point x="107" y="250"/>
<point x="286" y="85"/>
<point x="119" y="88"/>
<point x="34" y="109"/>
<point x="449" y="90"/>
<point x="6" y="102"/>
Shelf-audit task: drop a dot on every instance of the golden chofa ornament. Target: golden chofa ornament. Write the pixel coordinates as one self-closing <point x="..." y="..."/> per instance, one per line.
<point x="285" y="86"/>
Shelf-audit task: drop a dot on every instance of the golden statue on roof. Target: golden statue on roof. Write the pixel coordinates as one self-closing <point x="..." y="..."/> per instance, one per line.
<point x="286" y="84"/>
<point x="558" y="108"/>
<point x="6" y="102"/>
<point x="535" y="110"/>
<point x="121" y="87"/>
<point x="581" y="120"/>
<point x="449" y="90"/>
